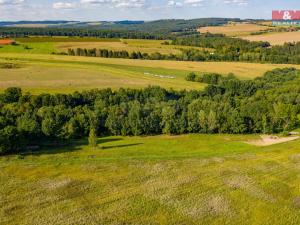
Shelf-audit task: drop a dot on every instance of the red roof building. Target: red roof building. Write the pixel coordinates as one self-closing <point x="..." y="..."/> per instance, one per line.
<point x="6" y="42"/>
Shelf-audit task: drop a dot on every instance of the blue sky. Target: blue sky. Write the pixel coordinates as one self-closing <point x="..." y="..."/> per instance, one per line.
<point x="97" y="10"/>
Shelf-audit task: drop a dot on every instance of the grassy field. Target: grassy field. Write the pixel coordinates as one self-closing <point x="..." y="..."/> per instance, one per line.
<point x="190" y="179"/>
<point x="30" y="48"/>
<point x="235" y="29"/>
<point x="48" y="45"/>
<point x="55" y="73"/>
<point x="145" y="46"/>
<point x="63" y="74"/>
<point x="244" y="30"/>
<point x="40" y="71"/>
<point x="276" y="38"/>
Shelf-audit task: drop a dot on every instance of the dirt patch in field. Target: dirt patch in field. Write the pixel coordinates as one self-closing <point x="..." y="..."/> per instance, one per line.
<point x="295" y="158"/>
<point x="55" y="184"/>
<point x="267" y="140"/>
<point x="296" y="202"/>
<point x="218" y="205"/>
<point x="214" y="205"/>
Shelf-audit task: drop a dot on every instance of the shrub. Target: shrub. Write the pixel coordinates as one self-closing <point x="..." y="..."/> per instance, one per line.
<point x="191" y="76"/>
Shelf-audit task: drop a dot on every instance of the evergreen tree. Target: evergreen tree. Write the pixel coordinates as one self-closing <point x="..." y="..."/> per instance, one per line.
<point x="93" y="138"/>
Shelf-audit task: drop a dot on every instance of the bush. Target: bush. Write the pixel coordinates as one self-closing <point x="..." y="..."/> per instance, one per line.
<point x="93" y="138"/>
<point x="11" y="140"/>
<point x="12" y="94"/>
<point x="191" y="76"/>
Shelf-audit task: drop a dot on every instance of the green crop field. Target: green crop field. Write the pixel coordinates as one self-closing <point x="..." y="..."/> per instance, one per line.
<point x="55" y="73"/>
<point x="190" y="179"/>
<point x="30" y="48"/>
<point x="48" y="45"/>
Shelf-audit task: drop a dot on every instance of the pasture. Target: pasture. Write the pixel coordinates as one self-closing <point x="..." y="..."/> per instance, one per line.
<point x="62" y="74"/>
<point x="189" y="179"/>
<point x="55" y="73"/>
<point x="145" y="46"/>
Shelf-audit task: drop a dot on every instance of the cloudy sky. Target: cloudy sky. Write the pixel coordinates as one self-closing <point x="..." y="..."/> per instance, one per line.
<point x="97" y="10"/>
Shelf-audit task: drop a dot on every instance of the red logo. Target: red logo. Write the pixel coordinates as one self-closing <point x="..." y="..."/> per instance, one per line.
<point x="286" y="15"/>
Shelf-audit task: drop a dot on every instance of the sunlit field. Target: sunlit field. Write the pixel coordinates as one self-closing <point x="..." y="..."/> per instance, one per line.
<point x="48" y="45"/>
<point x="54" y="73"/>
<point x="235" y="29"/>
<point x="191" y="179"/>
<point x="237" y="160"/>
<point x="246" y="31"/>
<point x="276" y="38"/>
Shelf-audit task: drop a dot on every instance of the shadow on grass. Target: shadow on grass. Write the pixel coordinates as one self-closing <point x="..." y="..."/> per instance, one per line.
<point x="74" y="145"/>
<point x="120" y="146"/>
<point x="108" y="139"/>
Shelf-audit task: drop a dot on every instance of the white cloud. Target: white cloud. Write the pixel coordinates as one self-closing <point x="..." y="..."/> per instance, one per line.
<point x="94" y="1"/>
<point x="172" y="3"/>
<point x="63" y="5"/>
<point x="118" y="3"/>
<point x="194" y="3"/>
<point x="11" y="2"/>
<point x="129" y="3"/>
<point x="237" y="2"/>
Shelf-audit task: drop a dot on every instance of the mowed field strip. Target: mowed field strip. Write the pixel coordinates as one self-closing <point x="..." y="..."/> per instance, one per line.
<point x="235" y="29"/>
<point x="276" y="38"/>
<point x="243" y="30"/>
<point x="56" y="73"/>
<point x="188" y="179"/>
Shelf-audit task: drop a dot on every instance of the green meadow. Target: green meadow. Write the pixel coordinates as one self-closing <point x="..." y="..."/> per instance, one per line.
<point x="189" y="179"/>
<point x="186" y="179"/>
<point x="39" y="70"/>
<point x="57" y="73"/>
<point x="29" y="48"/>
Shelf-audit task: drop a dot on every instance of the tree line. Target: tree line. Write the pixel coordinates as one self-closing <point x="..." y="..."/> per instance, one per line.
<point x="105" y="53"/>
<point x="16" y="32"/>
<point x="269" y="104"/>
<point x="235" y="49"/>
<point x="286" y="54"/>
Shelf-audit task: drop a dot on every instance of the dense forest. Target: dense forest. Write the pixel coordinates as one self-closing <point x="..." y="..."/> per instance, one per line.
<point x="269" y="104"/>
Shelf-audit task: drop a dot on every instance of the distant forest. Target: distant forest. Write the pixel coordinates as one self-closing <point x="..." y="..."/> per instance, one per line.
<point x="15" y="32"/>
<point x="159" y="28"/>
<point x="268" y="104"/>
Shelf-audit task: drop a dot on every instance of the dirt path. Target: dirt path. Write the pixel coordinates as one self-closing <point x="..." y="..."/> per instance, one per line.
<point x="267" y="140"/>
